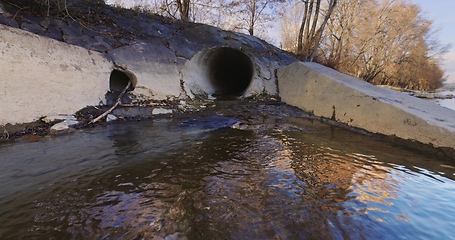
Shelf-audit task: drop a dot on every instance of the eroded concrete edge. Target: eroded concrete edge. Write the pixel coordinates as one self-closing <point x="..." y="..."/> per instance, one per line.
<point x="41" y="76"/>
<point x="330" y="94"/>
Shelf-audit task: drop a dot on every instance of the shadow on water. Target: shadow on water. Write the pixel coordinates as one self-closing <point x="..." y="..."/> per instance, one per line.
<point x="274" y="176"/>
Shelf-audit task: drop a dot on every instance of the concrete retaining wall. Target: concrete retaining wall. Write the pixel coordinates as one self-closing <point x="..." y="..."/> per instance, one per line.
<point x="221" y="69"/>
<point x="40" y="76"/>
<point x="330" y="94"/>
<point x="155" y="67"/>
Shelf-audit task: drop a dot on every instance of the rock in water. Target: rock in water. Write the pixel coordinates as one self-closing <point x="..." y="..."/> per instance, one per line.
<point x="111" y="117"/>
<point x="157" y="111"/>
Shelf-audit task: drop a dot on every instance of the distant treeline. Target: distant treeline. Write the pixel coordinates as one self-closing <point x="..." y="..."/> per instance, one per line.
<point x="384" y="42"/>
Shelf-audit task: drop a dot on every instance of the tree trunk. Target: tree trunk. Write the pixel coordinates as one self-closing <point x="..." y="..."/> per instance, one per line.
<point x="309" y="38"/>
<point x="252" y="17"/>
<point x="184" y="9"/>
<point x="318" y="35"/>
<point x="302" y="27"/>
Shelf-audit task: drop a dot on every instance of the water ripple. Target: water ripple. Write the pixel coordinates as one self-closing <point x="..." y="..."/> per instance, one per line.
<point x="283" y="178"/>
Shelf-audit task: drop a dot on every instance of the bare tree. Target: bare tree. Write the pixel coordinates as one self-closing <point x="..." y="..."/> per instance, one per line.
<point x="339" y="33"/>
<point x="235" y="15"/>
<point x="383" y="42"/>
<point x="212" y="12"/>
<point x="311" y="29"/>
<point x="251" y="13"/>
<point x="169" y="8"/>
<point x="184" y="9"/>
<point x="290" y="17"/>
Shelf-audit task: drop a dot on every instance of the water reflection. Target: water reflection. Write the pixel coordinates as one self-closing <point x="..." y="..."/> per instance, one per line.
<point x="366" y="181"/>
<point x="448" y="102"/>
<point x="274" y="178"/>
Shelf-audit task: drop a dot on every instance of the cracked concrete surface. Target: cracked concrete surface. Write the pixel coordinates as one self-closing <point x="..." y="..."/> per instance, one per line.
<point x="51" y="66"/>
<point x="55" y="59"/>
<point x="330" y="94"/>
<point x="43" y="77"/>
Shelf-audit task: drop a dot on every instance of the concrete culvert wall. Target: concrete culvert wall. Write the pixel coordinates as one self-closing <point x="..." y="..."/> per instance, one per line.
<point x="120" y="78"/>
<point x="220" y="72"/>
<point x="59" y="78"/>
<point x="230" y="71"/>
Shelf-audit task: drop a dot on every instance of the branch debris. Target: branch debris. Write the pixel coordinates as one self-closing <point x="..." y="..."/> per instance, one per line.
<point x="119" y="101"/>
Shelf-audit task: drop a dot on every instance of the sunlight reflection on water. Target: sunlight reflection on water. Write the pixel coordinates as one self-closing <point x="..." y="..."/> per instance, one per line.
<point x="448" y="103"/>
<point x="281" y="177"/>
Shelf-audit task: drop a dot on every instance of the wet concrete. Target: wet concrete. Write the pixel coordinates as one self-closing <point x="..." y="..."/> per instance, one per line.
<point x="327" y="93"/>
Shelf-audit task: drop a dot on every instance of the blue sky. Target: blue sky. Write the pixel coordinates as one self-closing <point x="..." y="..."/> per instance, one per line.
<point x="442" y="13"/>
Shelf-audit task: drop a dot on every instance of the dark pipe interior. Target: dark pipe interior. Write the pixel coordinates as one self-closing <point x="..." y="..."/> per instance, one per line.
<point x="118" y="81"/>
<point x="230" y="72"/>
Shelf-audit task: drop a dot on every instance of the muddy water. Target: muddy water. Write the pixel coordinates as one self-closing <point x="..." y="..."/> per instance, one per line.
<point x="238" y="172"/>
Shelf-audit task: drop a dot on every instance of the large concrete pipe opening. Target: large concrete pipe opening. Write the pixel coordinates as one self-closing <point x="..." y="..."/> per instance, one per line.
<point x="119" y="80"/>
<point x="230" y="72"/>
<point x="219" y="72"/>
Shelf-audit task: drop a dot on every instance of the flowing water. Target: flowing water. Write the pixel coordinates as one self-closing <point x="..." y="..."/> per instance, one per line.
<point x="267" y="173"/>
<point x="448" y="103"/>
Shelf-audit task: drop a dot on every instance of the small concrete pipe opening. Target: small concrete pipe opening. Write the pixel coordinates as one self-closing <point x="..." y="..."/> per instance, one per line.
<point x="230" y="72"/>
<point x="220" y="72"/>
<point x="119" y="80"/>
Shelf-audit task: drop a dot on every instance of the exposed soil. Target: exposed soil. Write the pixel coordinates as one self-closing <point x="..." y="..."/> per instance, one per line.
<point x="38" y="129"/>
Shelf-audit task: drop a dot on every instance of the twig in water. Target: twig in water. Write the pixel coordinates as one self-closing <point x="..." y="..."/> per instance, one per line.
<point x="119" y="100"/>
<point x="7" y="133"/>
